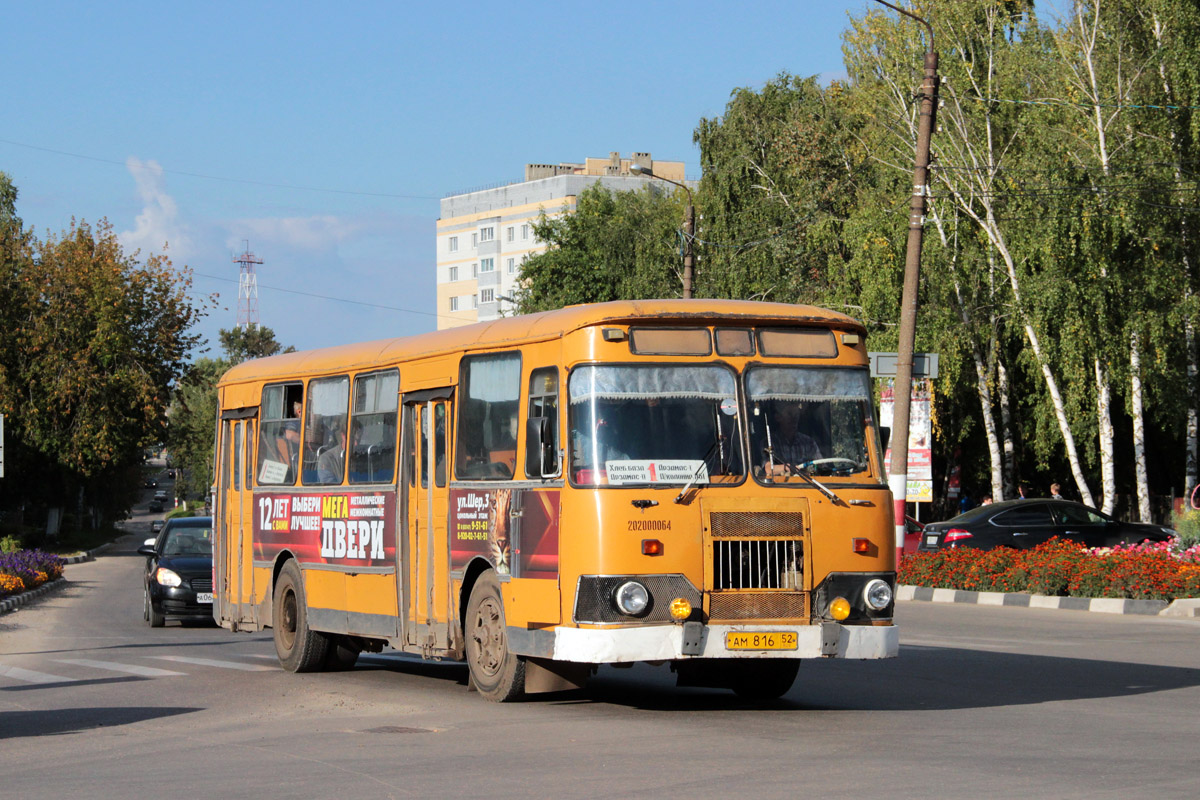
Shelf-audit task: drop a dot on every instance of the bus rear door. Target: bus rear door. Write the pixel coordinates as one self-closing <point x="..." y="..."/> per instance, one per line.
<point x="429" y="608"/>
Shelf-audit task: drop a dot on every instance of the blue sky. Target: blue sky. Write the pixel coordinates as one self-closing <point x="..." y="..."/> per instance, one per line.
<point x="325" y="134"/>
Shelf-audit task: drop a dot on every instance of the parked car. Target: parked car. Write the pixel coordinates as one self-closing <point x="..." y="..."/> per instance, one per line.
<point x="912" y="534"/>
<point x="178" y="576"/>
<point x="1023" y="524"/>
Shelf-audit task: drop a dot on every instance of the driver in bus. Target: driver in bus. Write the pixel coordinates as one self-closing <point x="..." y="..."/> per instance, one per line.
<point x="790" y="445"/>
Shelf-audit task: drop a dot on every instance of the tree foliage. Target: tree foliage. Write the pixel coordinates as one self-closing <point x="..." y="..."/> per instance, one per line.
<point x="191" y="433"/>
<point x="93" y="340"/>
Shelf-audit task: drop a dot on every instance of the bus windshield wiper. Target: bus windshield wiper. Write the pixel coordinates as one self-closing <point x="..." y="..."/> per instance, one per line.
<point x="803" y="473"/>
<point x="703" y="463"/>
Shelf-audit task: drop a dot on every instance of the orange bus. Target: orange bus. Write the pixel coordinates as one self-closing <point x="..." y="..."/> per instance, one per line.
<point x="697" y="482"/>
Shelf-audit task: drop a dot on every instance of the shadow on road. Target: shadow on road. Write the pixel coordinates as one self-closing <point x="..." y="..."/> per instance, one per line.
<point x="920" y="679"/>
<point x="18" y="724"/>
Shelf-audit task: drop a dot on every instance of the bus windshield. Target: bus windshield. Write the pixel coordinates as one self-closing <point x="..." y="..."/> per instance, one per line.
<point x="808" y="420"/>
<point x="638" y="425"/>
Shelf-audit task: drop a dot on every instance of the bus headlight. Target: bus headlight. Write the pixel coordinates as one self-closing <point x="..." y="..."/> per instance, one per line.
<point x="631" y="598"/>
<point x="877" y="594"/>
<point x="166" y="577"/>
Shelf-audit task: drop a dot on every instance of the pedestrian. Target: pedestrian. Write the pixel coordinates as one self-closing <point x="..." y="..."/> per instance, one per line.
<point x="987" y="501"/>
<point x="1055" y="492"/>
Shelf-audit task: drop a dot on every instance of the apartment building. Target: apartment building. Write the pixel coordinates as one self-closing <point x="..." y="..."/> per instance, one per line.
<point x="484" y="236"/>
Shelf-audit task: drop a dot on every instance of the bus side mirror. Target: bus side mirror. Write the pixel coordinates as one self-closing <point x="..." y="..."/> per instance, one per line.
<point x="540" y="435"/>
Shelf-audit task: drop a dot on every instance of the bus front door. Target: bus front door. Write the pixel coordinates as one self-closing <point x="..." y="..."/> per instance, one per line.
<point x="429" y="608"/>
<point x="235" y="505"/>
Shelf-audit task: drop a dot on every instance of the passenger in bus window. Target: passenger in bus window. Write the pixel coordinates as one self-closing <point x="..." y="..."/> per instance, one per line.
<point x="288" y="443"/>
<point x="332" y="460"/>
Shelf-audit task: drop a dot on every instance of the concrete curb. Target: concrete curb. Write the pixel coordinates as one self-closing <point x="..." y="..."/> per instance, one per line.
<point x="18" y="600"/>
<point x="1189" y="607"/>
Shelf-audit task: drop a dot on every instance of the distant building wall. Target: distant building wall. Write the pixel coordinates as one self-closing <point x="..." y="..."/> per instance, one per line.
<point x="483" y="237"/>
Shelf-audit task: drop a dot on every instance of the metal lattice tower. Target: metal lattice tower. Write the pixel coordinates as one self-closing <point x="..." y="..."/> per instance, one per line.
<point x="247" y="289"/>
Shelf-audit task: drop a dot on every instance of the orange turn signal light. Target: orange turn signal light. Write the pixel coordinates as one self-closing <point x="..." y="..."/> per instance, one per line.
<point x="862" y="545"/>
<point x="652" y="547"/>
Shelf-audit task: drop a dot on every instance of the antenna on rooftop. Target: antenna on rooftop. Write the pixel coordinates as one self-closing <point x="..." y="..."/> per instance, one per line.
<point x="247" y="289"/>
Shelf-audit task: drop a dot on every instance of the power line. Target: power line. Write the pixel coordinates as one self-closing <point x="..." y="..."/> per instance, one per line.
<point x="224" y="179"/>
<point x="325" y="297"/>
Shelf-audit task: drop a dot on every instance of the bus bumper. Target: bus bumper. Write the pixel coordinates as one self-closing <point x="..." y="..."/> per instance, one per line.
<point x="666" y="643"/>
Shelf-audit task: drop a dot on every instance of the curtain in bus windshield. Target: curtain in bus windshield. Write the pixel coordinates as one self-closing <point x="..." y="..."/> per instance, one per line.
<point x="804" y="418"/>
<point x="487" y="417"/>
<point x="637" y="425"/>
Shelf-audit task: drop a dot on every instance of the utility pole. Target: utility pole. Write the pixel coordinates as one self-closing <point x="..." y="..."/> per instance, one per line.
<point x="898" y="474"/>
<point x="689" y="226"/>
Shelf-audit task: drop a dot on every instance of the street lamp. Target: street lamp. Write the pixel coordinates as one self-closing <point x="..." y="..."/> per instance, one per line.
<point x="689" y="226"/>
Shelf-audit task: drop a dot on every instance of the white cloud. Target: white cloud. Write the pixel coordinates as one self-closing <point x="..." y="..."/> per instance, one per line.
<point x="158" y="225"/>
<point x="317" y="233"/>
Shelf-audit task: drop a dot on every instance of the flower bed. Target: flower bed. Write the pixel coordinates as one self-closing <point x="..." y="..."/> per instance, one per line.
<point x="1146" y="571"/>
<point x="22" y="570"/>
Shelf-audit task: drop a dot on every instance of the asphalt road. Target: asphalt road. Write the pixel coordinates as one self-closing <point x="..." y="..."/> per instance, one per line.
<point x="982" y="702"/>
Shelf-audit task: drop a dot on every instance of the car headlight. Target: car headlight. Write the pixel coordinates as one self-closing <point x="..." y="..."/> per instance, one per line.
<point x="165" y="577"/>
<point x="877" y="594"/>
<point x="632" y="598"/>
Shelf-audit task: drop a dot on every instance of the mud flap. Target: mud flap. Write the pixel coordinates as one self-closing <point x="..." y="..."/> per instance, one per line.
<point x="544" y="675"/>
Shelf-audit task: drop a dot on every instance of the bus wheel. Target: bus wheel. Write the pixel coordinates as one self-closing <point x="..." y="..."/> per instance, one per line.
<point x="342" y="654"/>
<point x="765" y="679"/>
<point x="497" y="673"/>
<point x="299" y="648"/>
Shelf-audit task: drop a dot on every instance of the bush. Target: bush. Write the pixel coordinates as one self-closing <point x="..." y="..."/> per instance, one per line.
<point x="1057" y="567"/>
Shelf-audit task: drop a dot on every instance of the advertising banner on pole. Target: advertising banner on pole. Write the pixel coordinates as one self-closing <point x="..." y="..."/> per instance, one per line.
<point x="920" y="437"/>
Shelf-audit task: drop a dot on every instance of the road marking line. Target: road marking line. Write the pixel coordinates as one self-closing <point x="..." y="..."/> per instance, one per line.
<point x="29" y="676"/>
<point x="212" y="662"/>
<point x="132" y="669"/>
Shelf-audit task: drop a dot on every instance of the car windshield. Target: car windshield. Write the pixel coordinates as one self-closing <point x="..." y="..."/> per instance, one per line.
<point x="188" y="541"/>
<point x="638" y="425"/>
<point x="810" y="419"/>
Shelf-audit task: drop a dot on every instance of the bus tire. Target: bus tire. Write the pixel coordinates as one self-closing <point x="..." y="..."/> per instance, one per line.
<point x="341" y="655"/>
<point x="760" y="680"/>
<point x="497" y="673"/>
<point x="299" y="648"/>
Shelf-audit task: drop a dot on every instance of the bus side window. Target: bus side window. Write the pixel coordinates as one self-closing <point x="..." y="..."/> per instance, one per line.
<point x="279" y="442"/>
<point x="541" y="440"/>
<point x="325" y="431"/>
<point x="373" y="427"/>
<point x="487" y="417"/>
<point x="249" y="451"/>
<point x="410" y="454"/>
<point x="439" y="445"/>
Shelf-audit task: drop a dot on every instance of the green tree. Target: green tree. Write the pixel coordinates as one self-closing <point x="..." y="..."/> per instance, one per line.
<point x="616" y="245"/>
<point x="255" y="341"/>
<point x="94" y="338"/>
<point x="192" y="416"/>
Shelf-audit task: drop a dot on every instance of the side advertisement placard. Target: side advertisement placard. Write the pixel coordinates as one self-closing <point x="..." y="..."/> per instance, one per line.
<point x="343" y="528"/>
<point x="514" y="529"/>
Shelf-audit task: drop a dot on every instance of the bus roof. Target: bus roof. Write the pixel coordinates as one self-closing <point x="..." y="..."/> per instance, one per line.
<point x="532" y="327"/>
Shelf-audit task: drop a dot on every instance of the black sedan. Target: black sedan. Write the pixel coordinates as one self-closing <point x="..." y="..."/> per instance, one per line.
<point x="178" y="578"/>
<point x="1023" y="524"/>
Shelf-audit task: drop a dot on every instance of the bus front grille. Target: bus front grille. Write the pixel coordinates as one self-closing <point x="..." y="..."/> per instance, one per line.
<point x="758" y="564"/>
<point x="756" y="524"/>
<point x="730" y="606"/>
